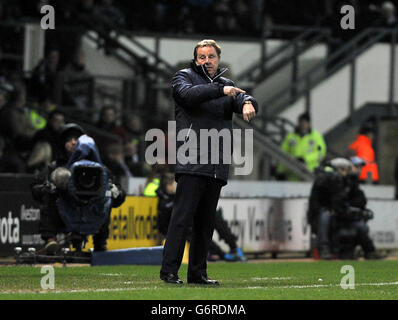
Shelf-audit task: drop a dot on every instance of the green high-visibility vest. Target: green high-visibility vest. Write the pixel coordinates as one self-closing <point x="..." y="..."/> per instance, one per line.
<point x="310" y="147"/>
<point x="151" y="187"/>
<point x="37" y="120"/>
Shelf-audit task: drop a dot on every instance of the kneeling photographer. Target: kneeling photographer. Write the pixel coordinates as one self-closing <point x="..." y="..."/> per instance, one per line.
<point x="337" y="211"/>
<point x="352" y="223"/>
<point x="76" y="193"/>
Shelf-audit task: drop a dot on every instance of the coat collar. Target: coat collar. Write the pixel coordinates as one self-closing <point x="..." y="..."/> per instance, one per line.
<point x="202" y="71"/>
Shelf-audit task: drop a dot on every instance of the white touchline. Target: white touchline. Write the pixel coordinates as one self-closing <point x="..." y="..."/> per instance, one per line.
<point x="273" y="278"/>
<point x="192" y="288"/>
<point x="327" y="285"/>
<point x="80" y="290"/>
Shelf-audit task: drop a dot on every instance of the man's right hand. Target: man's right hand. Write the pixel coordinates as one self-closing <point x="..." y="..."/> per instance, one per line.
<point x="232" y="91"/>
<point x="49" y="187"/>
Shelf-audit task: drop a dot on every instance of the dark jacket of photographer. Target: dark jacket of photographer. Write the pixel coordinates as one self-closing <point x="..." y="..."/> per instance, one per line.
<point x="329" y="192"/>
<point x="47" y="194"/>
<point x="355" y="196"/>
<point x="200" y="103"/>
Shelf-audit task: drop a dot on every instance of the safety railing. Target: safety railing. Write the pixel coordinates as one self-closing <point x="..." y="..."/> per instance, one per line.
<point x="305" y="83"/>
<point x="288" y="52"/>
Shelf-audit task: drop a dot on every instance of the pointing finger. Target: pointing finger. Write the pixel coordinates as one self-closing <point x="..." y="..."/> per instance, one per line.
<point x="240" y="90"/>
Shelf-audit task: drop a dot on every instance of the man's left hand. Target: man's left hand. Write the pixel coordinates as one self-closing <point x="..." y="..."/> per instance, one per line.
<point x="248" y="112"/>
<point x="115" y="191"/>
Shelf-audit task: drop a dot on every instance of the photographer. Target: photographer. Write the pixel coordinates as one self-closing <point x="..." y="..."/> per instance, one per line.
<point x="67" y="206"/>
<point x="356" y="216"/>
<point x="338" y="213"/>
<point x="327" y="198"/>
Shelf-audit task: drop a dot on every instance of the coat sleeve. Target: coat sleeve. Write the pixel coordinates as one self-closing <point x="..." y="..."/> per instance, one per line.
<point x="188" y="95"/>
<point x="240" y="99"/>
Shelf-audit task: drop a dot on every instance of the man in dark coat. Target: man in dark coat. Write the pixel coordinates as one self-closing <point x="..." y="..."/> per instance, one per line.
<point x="204" y="100"/>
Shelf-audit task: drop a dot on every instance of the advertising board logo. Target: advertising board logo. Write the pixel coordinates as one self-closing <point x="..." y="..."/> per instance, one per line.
<point x="133" y="225"/>
<point x="9" y="229"/>
<point x="29" y="214"/>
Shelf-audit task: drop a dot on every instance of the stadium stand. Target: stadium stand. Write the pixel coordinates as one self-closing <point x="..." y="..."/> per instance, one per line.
<point x="105" y="53"/>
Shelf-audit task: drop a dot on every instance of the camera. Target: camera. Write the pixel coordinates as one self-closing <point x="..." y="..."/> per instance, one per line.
<point x="87" y="181"/>
<point x="358" y="214"/>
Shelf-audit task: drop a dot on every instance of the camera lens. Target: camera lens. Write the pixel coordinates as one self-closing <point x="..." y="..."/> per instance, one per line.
<point x="87" y="180"/>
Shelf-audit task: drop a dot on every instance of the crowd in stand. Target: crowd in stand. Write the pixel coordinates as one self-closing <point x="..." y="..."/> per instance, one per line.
<point x="30" y="119"/>
<point x="227" y="17"/>
<point x="29" y="116"/>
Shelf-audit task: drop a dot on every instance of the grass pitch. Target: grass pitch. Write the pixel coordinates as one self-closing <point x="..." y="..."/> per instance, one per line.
<point x="242" y="281"/>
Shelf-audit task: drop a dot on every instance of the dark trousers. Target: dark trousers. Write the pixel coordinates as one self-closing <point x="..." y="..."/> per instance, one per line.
<point x="194" y="205"/>
<point x="324" y="220"/>
<point x="50" y="220"/>
<point x="224" y="233"/>
<point x="51" y="224"/>
<point x="360" y="231"/>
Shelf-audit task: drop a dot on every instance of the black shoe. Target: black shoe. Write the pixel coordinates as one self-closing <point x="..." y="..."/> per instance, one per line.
<point x="204" y="280"/>
<point x="324" y="253"/>
<point x="51" y="247"/>
<point x="374" y="256"/>
<point x="171" y="278"/>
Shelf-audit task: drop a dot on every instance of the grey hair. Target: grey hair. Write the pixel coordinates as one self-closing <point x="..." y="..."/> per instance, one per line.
<point x="60" y="177"/>
<point x="341" y="163"/>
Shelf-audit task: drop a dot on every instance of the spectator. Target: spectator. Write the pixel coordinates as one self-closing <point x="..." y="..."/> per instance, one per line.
<point x="304" y="144"/>
<point x="388" y="18"/>
<point x="225" y="233"/>
<point x="224" y="21"/>
<point x="87" y="6"/>
<point x="243" y="15"/>
<point x="165" y="191"/>
<point x="111" y="13"/>
<point x="10" y="161"/>
<point x="42" y="82"/>
<point x="5" y="89"/>
<point x="362" y="148"/>
<point x="133" y="129"/>
<point x="6" y="163"/>
<point x="137" y="167"/>
<point x="200" y="13"/>
<point x="114" y="160"/>
<point x="45" y="142"/>
<point x="107" y="122"/>
<point x="76" y="82"/>
<point x="153" y="181"/>
<point x="15" y="122"/>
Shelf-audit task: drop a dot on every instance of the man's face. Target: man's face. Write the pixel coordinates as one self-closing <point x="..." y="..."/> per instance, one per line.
<point x="356" y="170"/>
<point x="343" y="171"/>
<point x="53" y="58"/>
<point x="109" y="116"/>
<point x="57" y="122"/>
<point x="130" y="149"/>
<point x="117" y="157"/>
<point x="171" y="188"/>
<point x="304" y="125"/>
<point x="371" y="135"/>
<point x="208" y="57"/>
<point x="70" y="144"/>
